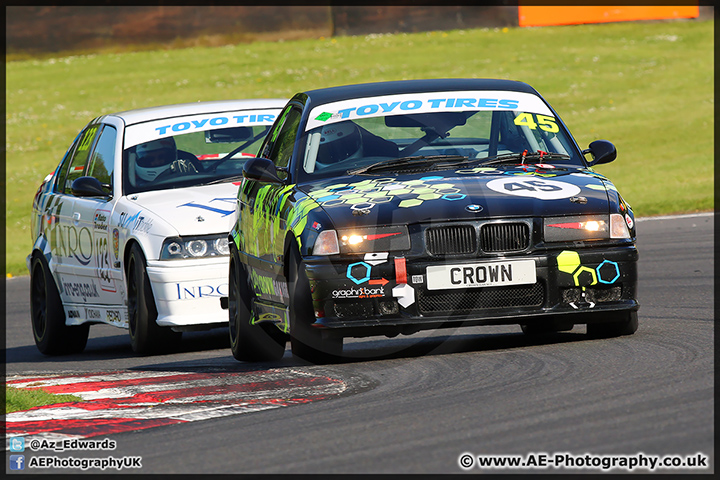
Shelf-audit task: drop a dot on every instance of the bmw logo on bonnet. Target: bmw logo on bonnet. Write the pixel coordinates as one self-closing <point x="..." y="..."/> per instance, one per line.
<point x="473" y="208"/>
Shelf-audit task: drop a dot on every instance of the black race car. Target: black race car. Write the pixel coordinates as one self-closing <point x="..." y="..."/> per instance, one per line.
<point x="389" y="208"/>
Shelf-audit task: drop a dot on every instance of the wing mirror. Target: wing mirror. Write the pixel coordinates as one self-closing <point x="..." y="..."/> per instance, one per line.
<point x="261" y="170"/>
<point x="90" y="187"/>
<point x="602" y="151"/>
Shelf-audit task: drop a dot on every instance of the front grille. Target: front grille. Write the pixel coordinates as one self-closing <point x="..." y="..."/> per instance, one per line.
<point x="362" y="309"/>
<point x="591" y="294"/>
<point x="451" y="240"/>
<point x="463" y="301"/>
<point x="504" y="237"/>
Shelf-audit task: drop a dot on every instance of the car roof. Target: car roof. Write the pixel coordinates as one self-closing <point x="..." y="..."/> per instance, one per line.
<point x="332" y="94"/>
<point x="140" y="115"/>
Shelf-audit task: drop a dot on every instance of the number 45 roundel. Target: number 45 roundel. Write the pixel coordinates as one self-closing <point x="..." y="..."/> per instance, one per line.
<point x="534" y="187"/>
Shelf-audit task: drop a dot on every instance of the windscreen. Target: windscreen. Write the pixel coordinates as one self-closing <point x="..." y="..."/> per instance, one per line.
<point x="475" y="125"/>
<point x="192" y="150"/>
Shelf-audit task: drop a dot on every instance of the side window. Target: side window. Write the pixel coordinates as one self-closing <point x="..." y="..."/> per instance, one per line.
<point x="269" y="141"/>
<point x="103" y="157"/>
<point x="282" y="147"/>
<point x="76" y="164"/>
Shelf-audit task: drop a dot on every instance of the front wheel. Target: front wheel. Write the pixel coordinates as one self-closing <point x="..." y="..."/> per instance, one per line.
<point x="52" y="336"/>
<point x="146" y="336"/>
<point x="249" y="342"/>
<point x="305" y="340"/>
<point x="627" y="324"/>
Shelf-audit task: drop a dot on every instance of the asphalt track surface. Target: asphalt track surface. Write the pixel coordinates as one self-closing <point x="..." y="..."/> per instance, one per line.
<point x="414" y="404"/>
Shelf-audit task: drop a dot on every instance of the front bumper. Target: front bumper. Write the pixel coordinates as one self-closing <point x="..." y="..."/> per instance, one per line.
<point x="187" y="292"/>
<point x="354" y="297"/>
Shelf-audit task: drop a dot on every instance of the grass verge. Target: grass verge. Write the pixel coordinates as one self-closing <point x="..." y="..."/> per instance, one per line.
<point x="18" y="399"/>
<point x="645" y="86"/>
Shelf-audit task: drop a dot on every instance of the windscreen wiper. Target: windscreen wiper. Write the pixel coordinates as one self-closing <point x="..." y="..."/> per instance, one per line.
<point x="402" y="163"/>
<point x="240" y="148"/>
<point x="525" y="157"/>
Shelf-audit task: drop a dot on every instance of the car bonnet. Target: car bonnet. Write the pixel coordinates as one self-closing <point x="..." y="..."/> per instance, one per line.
<point x="477" y="193"/>
<point x="193" y="210"/>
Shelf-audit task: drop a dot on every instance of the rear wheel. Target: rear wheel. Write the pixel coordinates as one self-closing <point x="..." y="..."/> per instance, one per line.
<point x="52" y="336"/>
<point x="627" y="324"/>
<point x="306" y="341"/>
<point x="146" y="336"/>
<point x="248" y="342"/>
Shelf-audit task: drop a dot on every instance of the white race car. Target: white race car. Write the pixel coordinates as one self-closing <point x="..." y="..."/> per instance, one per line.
<point x="131" y="229"/>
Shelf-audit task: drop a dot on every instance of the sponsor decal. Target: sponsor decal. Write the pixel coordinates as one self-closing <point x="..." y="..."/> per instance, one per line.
<point x="113" y="316"/>
<point x="116" y="243"/>
<point x="101" y="220"/>
<point x="143" y="225"/>
<point x="629" y="220"/>
<point x="136" y="134"/>
<point x="102" y="258"/>
<point x="127" y="220"/>
<point x="269" y="286"/>
<point x="73" y="314"/>
<point x="455" y="101"/>
<point x="194" y="292"/>
<point x="92" y="314"/>
<point x="136" y="222"/>
<point x="82" y="290"/>
<point x="359" y="292"/>
<point x="71" y="242"/>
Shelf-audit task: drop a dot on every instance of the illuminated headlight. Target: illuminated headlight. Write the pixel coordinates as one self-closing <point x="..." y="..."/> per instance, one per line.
<point x="374" y="239"/>
<point x="195" y="247"/>
<point x="580" y="228"/>
<point x="362" y="240"/>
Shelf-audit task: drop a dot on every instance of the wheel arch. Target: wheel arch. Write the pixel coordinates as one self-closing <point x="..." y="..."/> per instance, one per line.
<point x="291" y="242"/>
<point x="126" y="256"/>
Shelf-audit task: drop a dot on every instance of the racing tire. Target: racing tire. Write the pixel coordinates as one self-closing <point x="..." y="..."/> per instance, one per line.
<point x="248" y="342"/>
<point x="146" y="336"/>
<point x="306" y="341"/>
<point x="627" y="326"/>
<point x="52" y="336"/>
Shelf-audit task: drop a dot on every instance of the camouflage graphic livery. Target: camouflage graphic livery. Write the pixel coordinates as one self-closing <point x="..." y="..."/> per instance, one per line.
<point x="390" y="208"/>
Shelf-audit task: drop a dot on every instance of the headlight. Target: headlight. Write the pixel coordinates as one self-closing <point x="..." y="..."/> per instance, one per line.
<point x="326" y="243"/>
<point x="586" y="227"/>
<point x="362" y="240"/>
<point x="178" y="248"/>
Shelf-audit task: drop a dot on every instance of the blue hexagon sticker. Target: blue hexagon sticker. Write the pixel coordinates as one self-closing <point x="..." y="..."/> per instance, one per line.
<point x="610" y="271"/>
<point x="355" y="278"/>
